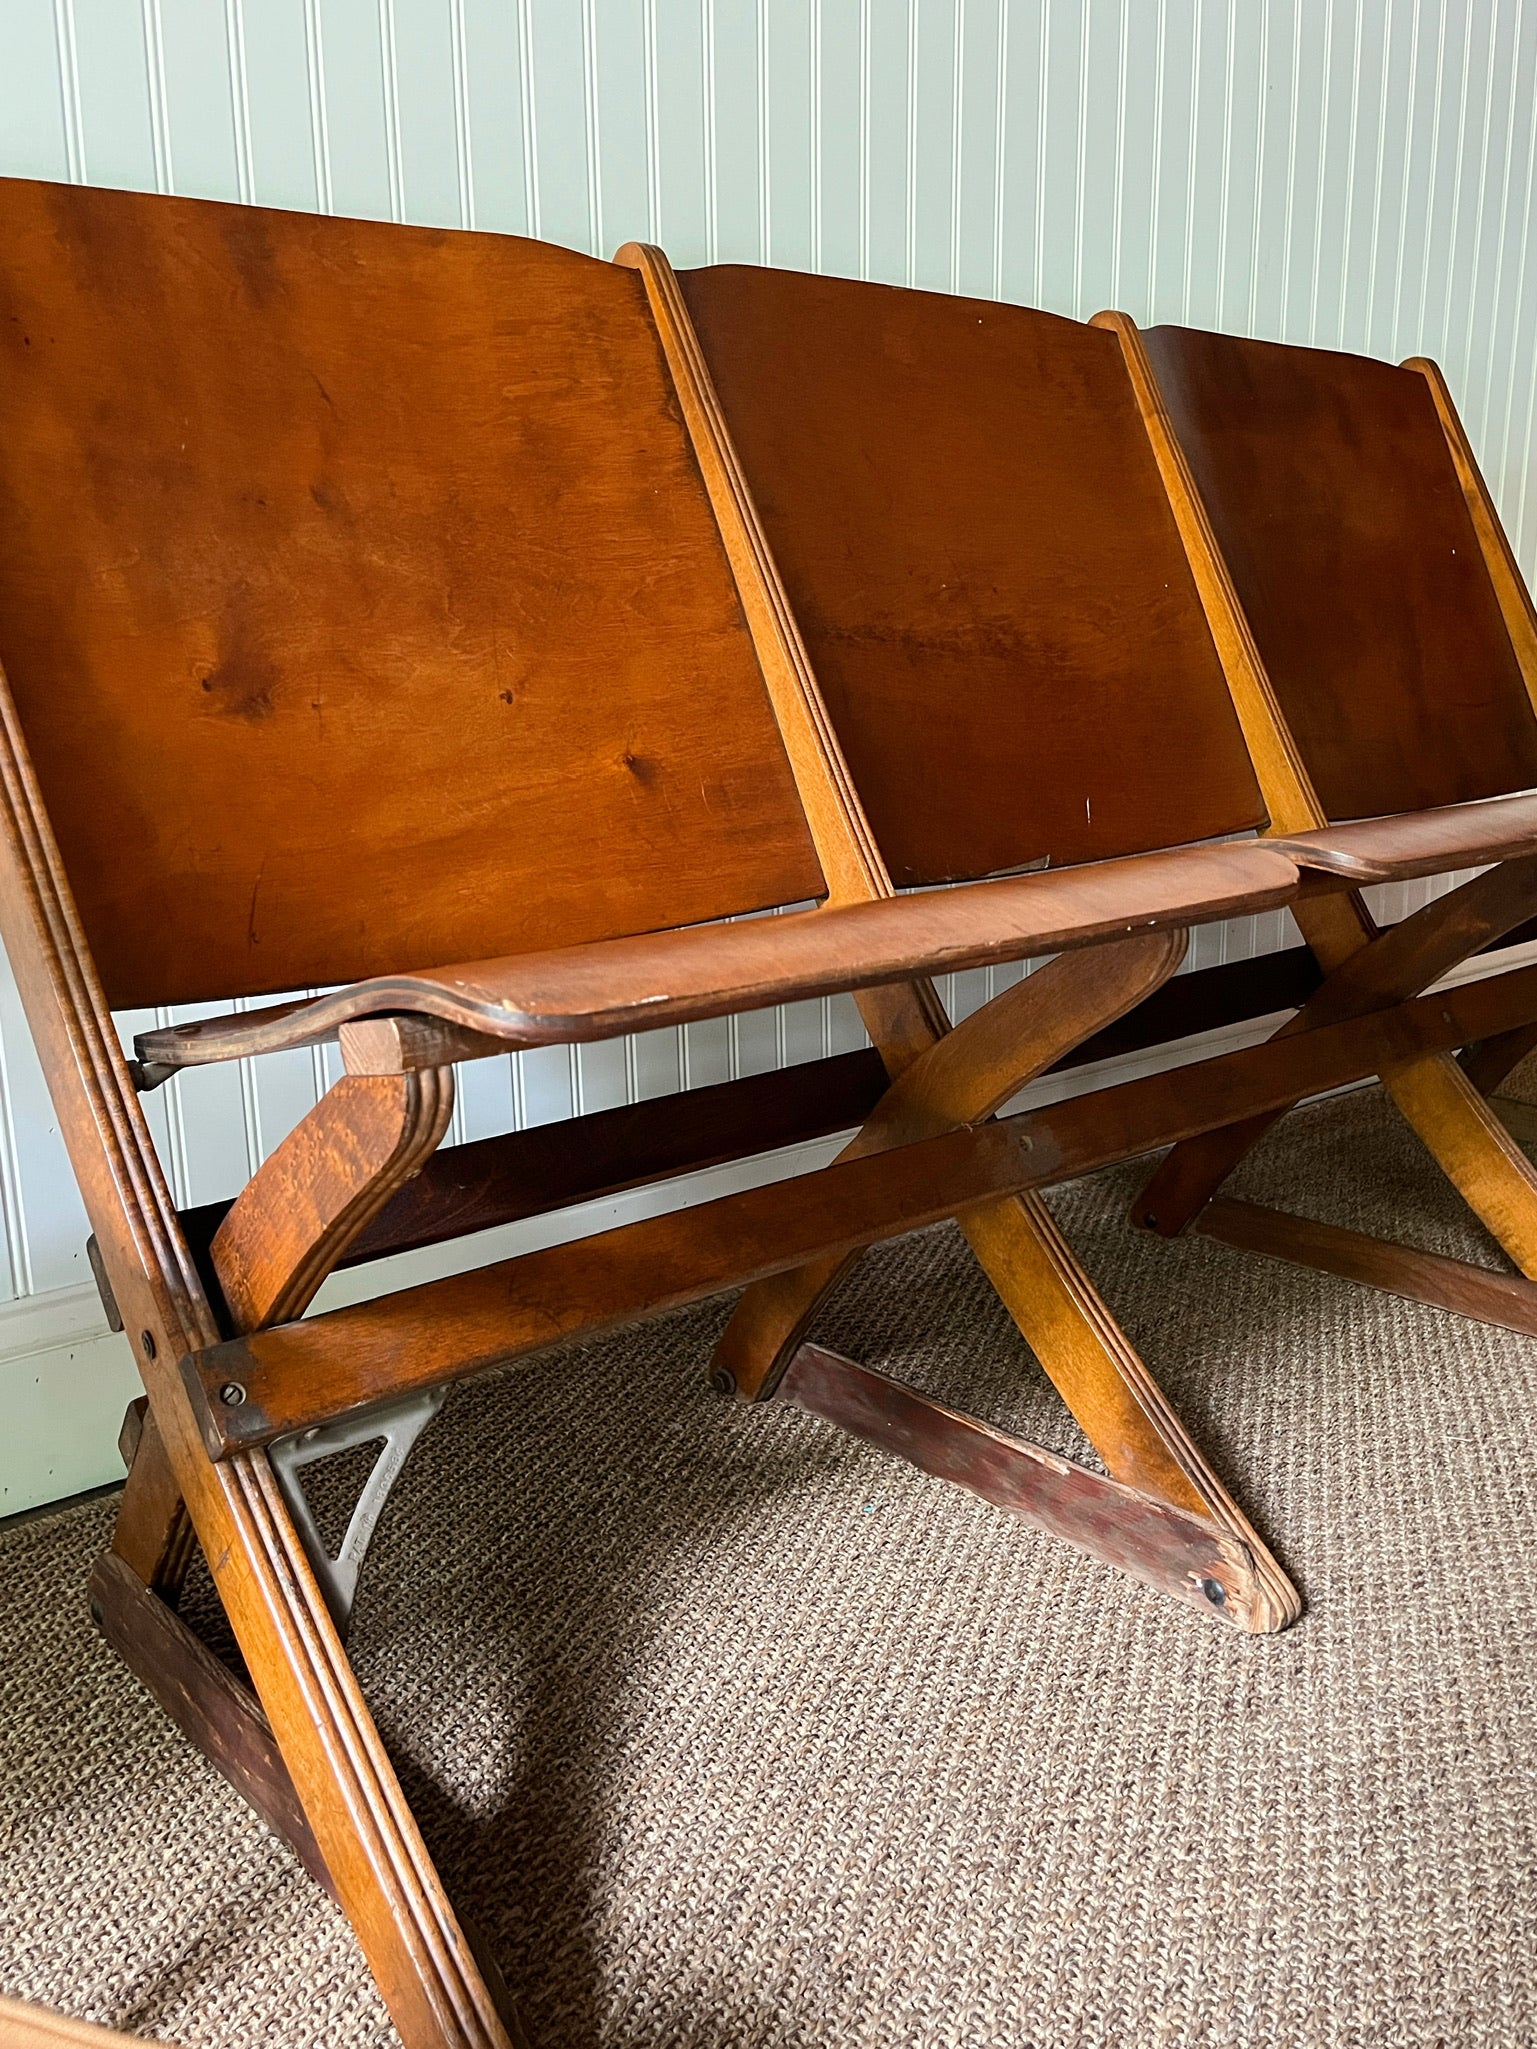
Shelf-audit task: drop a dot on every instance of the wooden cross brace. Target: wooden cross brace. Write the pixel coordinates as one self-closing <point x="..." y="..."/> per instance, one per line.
<point x="1444" y="1101"/>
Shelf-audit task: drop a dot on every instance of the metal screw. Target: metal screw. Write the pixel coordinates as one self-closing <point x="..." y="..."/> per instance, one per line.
<point x="147" y="1343"/>
<point x="232" y="1394"/>
<point x="1214" y="1591"/>
<point x="722" y="1381"/>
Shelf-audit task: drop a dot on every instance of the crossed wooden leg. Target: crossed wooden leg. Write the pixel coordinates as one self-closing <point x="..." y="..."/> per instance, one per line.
<point x="1443" y="1100"/>
<point x="302" y="1747"/>
<point x="960" y="1077"/>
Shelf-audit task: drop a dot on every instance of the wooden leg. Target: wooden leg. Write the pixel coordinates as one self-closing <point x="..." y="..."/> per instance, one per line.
<point x="223" y="1719"/>
<point x="365" y="1832"/>
<point x="1475" y="1151"/>
<point x="153" y="1536"/>
<point x="959" y="1077"/>
<point x="1506" y="1300"/>
<point x="1105" y="1384"/>
<point x="1443" y="1106"/>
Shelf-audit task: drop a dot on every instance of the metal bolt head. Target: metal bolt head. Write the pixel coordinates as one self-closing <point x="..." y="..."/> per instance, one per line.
<point x="232" y="1394"/>
<point x="1214" y="1591"/>
<point x="722" y="1381"/>
<point x="147" y="1343"/>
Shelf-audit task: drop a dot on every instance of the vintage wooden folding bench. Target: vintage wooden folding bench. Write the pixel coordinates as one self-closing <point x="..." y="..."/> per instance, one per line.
<point x="983" y="550"/>
<point x="376" y="600"/>
<point x="1385" y="665"/>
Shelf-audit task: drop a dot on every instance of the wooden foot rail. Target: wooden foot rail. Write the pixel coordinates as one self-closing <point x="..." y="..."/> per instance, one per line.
<point x="1182" y="1555"/>
<point x="1507" y="1300"/>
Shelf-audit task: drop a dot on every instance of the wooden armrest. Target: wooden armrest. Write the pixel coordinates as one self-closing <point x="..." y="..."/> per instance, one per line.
<point x="1418" y="842"/>
<point x="665" y="978"/>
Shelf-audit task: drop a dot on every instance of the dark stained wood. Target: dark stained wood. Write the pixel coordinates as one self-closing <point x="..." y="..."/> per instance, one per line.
<point x="1508" y="1300"/>
<point x="1338" y="509"/>
<point x="131" y="1432"/>
<point x="1012" y="673"/>
<point x="205" y="1700"/>
<point x="304" y="1373"/>
<point x="490" y="1181"/>
<point x="599" y="991"/>
<point x="153" y="1535"/>
<point x="372" y="615"/>
<point x="1182" y="1555"/>
<point x="1487" y="1064"/>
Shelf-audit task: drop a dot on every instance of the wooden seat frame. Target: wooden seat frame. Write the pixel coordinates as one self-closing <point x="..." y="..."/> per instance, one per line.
<point x="1446" y="1098"/>
<point x="213" y="1304"/>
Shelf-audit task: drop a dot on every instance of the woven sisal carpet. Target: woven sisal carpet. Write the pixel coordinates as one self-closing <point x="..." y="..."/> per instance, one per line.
<point x="733" y="1735"/>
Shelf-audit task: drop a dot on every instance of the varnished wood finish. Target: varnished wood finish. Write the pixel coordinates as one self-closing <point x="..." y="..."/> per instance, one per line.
<point x="1099" y="1374"/>
<point x="1419" y="843"/>
<point x="594" y="992"/>
<point x="963" y="1078"/>
<point x="303" y="1373"/>
<point x="1337" y="402"/>
<point x="351" y="1797"/>
<point x="204" y="1699"/>
<point x="1507" y="1300"/>
<point x="1514" y="599"/>
<point x="933" y="475"/>
<point x="1088" y="1358"/>
<point x="328" y="1179"/>
<point x="1400" y="962"/>
<point x="1339" y="511"/>
<point x="1181" y="1555"/>
<point x="413" y="626"/>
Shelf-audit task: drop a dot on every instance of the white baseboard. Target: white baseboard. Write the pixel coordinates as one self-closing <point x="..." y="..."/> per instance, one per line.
<point x="65" y="1379"/>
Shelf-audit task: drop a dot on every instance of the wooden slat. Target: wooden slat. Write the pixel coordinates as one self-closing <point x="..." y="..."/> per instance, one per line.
<point x="517" y="1174"/>
<point x="205" y="1700"/>
<point x="304" y="1373"/>
<point x="1179" y="1554"/>
<point x="1507" y="1300"/>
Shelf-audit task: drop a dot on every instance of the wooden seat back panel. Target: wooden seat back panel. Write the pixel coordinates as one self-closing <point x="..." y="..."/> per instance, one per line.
<point x="970" y="525"/>
<point x="362" y="599"/>
<point x="1336" y="505"/>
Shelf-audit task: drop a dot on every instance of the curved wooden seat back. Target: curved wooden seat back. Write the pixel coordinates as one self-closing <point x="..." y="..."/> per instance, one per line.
<point x="1334" y="499"/>
<point x="362" y="600"/>
<point x="971" y="528"/>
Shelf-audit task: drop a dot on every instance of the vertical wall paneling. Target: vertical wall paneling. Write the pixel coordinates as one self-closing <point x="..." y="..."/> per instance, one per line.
<point x="1354" y="173"/>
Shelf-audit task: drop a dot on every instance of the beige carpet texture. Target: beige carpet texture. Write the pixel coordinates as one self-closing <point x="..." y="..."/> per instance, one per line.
<point x="733" y="1734"/>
